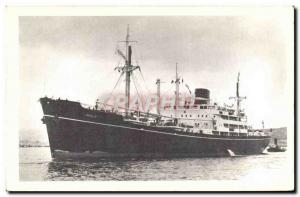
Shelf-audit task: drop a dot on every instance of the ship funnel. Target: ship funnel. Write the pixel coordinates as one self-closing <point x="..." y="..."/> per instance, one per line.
<point x="202" y="96"/>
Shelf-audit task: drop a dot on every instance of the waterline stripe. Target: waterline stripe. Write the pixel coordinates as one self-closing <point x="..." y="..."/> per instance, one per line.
<point x="97" y="123"/>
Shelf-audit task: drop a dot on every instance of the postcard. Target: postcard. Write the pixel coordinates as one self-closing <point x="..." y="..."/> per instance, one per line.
<point x="150" y="98"/>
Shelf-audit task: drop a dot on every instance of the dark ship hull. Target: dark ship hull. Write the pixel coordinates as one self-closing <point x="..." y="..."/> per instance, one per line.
<point x="80" y="131"/>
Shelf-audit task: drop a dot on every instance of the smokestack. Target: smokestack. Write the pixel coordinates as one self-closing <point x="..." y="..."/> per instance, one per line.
<point x="202" y="96"/>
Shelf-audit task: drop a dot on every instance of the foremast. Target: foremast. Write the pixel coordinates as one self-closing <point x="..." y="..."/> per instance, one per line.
<point x="128" y="68"/>
<point x="128" y="72"/>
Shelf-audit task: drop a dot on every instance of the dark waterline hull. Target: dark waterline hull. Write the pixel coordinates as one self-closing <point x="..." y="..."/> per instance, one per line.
<point x="85" y="132"/>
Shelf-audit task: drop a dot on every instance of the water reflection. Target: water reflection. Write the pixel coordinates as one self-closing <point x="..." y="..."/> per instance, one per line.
<point x="34" y="165"/>
<point x="145" y="169"/>
<point x="101" y="169"/>
<point x="87" y="170"/>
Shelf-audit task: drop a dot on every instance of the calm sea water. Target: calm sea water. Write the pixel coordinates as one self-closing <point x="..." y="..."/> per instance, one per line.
<point x="36" y="165"/>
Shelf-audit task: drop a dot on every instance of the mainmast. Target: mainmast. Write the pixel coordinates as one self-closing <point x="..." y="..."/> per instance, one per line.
<point x="238" y="98"/>
<point x="238" y="95"/>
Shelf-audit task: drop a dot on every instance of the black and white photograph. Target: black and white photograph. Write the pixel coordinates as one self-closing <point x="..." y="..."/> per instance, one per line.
<point x="189" y="95"/>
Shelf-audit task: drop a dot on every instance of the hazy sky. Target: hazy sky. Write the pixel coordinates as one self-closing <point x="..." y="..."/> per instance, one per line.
<point x="74" y="58"/>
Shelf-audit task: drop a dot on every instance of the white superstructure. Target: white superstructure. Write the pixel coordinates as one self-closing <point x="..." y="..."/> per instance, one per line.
<point x="206" y="117"/>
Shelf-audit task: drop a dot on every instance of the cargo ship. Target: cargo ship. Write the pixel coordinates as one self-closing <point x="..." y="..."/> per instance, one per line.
<point x="200" y="128"/>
